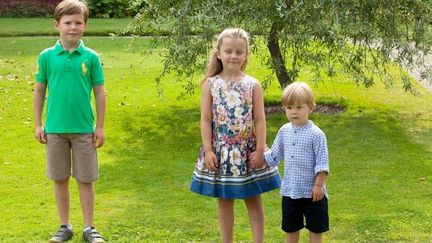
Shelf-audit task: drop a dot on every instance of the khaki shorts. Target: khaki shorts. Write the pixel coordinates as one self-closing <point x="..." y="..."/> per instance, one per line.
<point x="62" y="148"/>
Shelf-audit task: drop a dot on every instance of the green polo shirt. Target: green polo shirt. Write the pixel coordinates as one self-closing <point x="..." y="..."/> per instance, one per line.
<point x="70" y="78"/>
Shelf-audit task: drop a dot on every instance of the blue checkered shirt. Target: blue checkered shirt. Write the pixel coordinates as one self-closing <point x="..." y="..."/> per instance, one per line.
<point x="304" y="152"/>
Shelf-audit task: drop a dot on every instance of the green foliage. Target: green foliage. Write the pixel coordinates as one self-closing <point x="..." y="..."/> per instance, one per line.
<point x="359" y="38"/>
<point x="110" y="8"/>
<point x="27" y="8"/>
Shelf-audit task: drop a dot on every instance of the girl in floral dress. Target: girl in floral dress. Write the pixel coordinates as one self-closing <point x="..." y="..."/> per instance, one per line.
<point x="233" y="126"/>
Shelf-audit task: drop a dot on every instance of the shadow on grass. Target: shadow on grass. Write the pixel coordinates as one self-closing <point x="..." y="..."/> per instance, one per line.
<point x="145" y="187"/>
<point x="148" y="178"/>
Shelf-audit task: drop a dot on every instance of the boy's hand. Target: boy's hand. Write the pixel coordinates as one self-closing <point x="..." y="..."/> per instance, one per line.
<point x="40" y="135"/>
<point x="317" y="193"/>
<point x="211" y="161"/>
<point x="98" y="138"/>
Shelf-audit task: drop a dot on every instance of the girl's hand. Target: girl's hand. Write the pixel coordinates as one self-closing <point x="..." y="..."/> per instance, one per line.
<point x="40" y="135"/>
<point x="256" y="160"/>
<point x="317" y="193"/>
<point x="211" y="161"/>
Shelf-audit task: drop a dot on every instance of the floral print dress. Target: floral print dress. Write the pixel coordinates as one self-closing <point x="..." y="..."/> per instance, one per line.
<point x="233" y="139"/>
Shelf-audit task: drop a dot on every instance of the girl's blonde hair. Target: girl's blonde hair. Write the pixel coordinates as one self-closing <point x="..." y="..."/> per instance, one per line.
<point x="298" y="92"/>
<point x="215" y="65"/>
<point x="70" y="7"/>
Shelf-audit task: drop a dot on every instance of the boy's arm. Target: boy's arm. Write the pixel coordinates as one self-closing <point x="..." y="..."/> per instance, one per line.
<point x="38" y="103"/>
<point x="100" y="97"/>
<point x="260" y="127"/>
<point x="321" y="166"/>
<point x="274" y="155"/>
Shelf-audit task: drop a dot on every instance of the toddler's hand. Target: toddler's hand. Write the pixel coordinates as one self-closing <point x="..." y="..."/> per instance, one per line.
<point x="211" y="161"/>
<point x="317" y="193"/>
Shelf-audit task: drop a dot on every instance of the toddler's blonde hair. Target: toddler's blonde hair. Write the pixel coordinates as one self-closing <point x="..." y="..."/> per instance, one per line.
<point x="296" y="93"/>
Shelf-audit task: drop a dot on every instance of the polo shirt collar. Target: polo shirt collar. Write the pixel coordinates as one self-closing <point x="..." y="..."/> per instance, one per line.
<point x="58" y="48"/>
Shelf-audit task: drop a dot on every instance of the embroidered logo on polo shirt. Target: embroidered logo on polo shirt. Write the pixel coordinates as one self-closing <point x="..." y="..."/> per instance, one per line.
<point x="83" y="68"/>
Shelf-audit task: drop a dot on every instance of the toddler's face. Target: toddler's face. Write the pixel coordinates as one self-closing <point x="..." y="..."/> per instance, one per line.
<point x="298" y="113"/>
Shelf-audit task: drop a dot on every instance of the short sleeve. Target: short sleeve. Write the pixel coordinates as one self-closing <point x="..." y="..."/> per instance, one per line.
<point x="41" y="69"/>
<point x="97" y="75"/>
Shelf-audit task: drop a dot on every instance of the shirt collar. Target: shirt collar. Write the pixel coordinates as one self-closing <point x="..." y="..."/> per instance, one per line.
<point x="308" y="124"/>
<point x="58" y="48"/>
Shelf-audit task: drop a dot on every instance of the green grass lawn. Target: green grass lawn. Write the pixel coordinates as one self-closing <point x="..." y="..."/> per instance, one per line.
<point x="45" y="26"/>
<point x="380" y="184"/>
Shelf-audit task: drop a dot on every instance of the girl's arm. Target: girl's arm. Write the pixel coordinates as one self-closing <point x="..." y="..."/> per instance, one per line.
<point x="99" y="135"/>
<point x="38" y="103"/>
<point x="260" y="126"/>
<point x="210" y="159"/>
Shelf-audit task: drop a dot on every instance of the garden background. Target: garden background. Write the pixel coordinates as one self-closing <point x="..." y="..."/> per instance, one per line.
<point x="380" y="183"/>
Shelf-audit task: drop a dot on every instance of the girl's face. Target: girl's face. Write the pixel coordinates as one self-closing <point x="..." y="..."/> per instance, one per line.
<point x="298" y="113"/>
<point x="232" y="53"/>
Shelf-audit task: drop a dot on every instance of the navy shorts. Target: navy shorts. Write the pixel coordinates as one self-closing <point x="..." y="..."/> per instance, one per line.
<point x="315" y="213"/>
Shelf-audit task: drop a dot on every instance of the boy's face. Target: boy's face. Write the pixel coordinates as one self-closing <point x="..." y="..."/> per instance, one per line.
<point x="298" y="113"/>
<point x="71" y="29"/>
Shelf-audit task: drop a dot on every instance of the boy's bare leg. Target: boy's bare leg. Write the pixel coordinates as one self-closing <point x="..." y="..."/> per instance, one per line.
<point x="86" y="193"/>
<point x="61" y="192"/>
<point x="256" y="217"/>
<point x="293" y="237"/>
<point x="315" y="237"/>
<point x="226" y="219"/>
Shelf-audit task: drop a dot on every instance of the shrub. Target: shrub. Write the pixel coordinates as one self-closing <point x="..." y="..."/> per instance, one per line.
<point x="45" y="8"/>
<point x="109" y="8"/>
<point x="27" y="8"/>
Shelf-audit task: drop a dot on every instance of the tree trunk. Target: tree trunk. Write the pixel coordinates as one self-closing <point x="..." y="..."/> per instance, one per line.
<point x="276" y="56"/>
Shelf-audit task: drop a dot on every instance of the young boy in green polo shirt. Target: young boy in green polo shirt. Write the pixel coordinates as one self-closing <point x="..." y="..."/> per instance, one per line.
<point x="71" y="71"/>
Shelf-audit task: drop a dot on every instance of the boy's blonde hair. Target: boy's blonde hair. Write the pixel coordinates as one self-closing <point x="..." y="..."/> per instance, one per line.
<point x="70" y="7"/>
<point x="215" y="65"/>
<point x="298" y="92"/>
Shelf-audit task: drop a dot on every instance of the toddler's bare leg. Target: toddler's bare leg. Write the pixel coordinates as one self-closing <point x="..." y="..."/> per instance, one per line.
<point x="315" y="237"/>
<point x="292" y="237"/>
